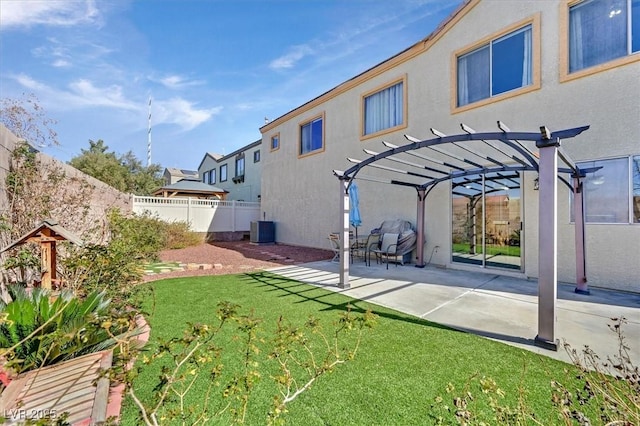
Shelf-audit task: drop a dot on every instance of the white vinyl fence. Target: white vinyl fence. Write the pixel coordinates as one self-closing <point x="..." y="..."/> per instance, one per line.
<point x="202" y="215"/>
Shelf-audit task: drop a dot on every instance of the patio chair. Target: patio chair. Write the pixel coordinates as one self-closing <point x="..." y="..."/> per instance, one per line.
<point x="334" y="244"/>
<point x="360" y="246"/>
<point x="387" y="248"/>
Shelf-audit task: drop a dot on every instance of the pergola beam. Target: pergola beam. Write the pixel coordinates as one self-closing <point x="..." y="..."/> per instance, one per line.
<point x="545" y="163"/>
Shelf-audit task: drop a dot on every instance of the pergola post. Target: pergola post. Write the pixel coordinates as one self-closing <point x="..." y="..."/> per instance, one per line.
<point x="344" y="233"/>
<point x="420" y="228"/>
<point x="548" y="241"/>
<point x="578" y="213"/>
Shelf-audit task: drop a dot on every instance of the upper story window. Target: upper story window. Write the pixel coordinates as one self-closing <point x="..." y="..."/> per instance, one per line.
<point x="209" y="177"/>
<point x="384" y="109"/>
<point x="223" y="173"/>
<point x="256" y="156"/>
<point x="275" y="142"/>
<point x="311" y="136"/>
<point x="500" y="65"/>
<point x="601" y="31"/>
<point x="240" y="165"/>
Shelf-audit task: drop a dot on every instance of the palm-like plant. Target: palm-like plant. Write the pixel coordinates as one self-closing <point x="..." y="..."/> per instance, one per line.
<point x="36" y="331"/>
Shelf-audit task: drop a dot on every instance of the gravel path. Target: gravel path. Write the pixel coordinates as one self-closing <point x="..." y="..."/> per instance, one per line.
<point x="232" y="257"/>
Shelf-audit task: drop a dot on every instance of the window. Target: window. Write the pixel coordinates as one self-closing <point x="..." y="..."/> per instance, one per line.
<point x="501" y="65"/>
<point x="609" y="192"/>
<point x="240" y="165"/>
<point x="256" y="156"/>
<point x="601" y="31"/>
<point x="209" y="176"/>
<point x="384" y="109"/>
<point x="223" y="173"/>
<point x="311" y="138"/>
<point x="275" y="142"/>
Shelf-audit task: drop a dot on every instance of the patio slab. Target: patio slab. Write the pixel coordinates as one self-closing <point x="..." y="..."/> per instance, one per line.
<point x="503" y="308"/>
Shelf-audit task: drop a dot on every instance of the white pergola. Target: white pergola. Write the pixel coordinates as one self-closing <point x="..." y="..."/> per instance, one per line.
<point x="444" y="158"/>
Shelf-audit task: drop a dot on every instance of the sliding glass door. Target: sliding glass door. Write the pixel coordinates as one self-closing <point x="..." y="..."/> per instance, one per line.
<point x="486" y="221"/>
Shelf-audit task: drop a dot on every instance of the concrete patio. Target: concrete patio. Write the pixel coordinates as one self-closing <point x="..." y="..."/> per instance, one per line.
<point x="504" y="308"/>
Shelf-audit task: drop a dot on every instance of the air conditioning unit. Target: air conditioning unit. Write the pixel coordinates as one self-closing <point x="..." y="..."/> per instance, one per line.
<point x="262" y="232"/>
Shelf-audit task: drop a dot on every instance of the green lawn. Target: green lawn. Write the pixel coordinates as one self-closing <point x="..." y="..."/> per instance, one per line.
<point x="403" y="365"/>
<point x="492" y="249"/>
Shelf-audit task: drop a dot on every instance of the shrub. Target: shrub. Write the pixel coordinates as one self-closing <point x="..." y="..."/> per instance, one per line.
<point x="178" y="235"/>
<point x="36" y="331"/>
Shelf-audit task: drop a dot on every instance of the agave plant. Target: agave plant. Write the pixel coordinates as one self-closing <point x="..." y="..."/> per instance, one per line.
<point x="38" y="330"/>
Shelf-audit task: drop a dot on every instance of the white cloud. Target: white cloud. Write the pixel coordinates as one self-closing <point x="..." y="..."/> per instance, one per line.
<point x="86" y="93"/>
<point x="176" y="82"/>
<point x="29" y="83"/>
<point x="181" y="112"/>
<point x="61" y="63"/>
<point x="288" y="60"/>
<point x="20" y="13"/>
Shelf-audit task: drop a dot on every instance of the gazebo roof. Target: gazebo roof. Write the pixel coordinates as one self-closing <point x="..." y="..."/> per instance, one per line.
<point x="190" y="186"/>
<point x="58" y="233"/>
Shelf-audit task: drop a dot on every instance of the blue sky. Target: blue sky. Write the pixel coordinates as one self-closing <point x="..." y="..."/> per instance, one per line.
<point x="214" y="69"/>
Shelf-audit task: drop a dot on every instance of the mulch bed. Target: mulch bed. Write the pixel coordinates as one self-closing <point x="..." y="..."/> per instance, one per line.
<point x="232" y="257"/>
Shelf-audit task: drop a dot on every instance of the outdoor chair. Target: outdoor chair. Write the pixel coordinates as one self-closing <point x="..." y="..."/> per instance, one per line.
<point x="334" y="244"/>
<point x="360" y="246"/>
<point x="387" y="248"/>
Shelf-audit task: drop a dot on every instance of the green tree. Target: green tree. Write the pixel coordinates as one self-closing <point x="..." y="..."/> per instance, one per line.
<point x="124" y="172"/>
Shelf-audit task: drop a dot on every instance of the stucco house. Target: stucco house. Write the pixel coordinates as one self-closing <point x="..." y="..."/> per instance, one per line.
<point x="172" y="175"/>
<point x="560" y="64"/>
<point x="238" y="173"/>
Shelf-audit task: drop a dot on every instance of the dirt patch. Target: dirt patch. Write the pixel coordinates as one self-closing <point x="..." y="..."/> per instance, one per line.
<point x="232" y="257"/>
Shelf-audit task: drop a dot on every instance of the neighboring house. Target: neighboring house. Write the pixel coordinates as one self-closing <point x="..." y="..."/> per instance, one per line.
<point x="238" y="173"/>
<point x="191" y="188"/>
<point x="530" y="63"/>
<point x="172" y="175"/>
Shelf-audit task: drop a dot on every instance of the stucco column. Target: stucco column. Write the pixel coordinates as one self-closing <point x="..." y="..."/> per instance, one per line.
<point x="578" y="213"/>
<point x="344" y="234"/>
<point x="548" y="242"/>
<point x="420" y="228"/>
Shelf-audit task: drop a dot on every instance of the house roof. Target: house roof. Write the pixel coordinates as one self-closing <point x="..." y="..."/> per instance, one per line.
<point x="59" y="233"/>
<point x="191" y="186"/>
<point x="211" y="155"/>
<point x="239" y="150"/>
<point x="182" y="172"/>
<point x="219" y="158"/>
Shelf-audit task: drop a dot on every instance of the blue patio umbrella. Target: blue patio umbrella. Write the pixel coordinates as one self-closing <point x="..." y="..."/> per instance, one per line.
<point x="354" y="211"/>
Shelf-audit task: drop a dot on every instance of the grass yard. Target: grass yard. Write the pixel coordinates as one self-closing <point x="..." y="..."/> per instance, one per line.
<point x="402" y="366"/>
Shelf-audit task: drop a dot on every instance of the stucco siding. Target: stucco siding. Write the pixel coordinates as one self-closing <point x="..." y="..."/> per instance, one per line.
<point x="303" y="196"/>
